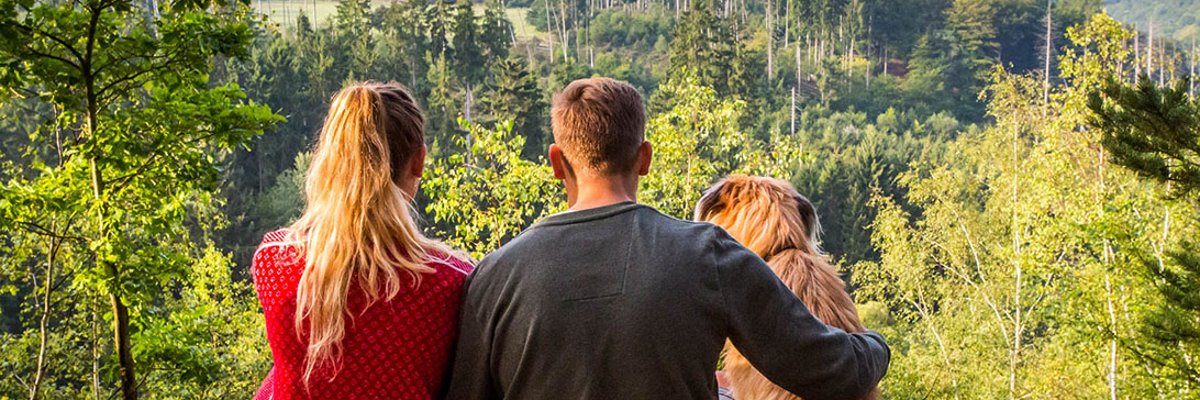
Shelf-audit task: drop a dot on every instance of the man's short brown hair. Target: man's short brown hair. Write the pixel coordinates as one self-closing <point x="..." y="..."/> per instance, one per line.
<point x="599" y="123"/>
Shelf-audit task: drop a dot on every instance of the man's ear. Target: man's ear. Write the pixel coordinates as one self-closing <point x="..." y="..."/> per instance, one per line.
<point x="416" y="166"/>
<point x="645" y="155"/>
<point x="557" y="162"/>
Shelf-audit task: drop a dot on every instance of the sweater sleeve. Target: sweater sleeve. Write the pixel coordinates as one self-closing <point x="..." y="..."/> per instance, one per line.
<point x="275" y="270"/>
<point x="471" y="376"/>
<point x="784" y="341"/>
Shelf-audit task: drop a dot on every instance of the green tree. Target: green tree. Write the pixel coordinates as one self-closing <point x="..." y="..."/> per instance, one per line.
<point x="898" y="24"/>
<point x="1153" y="132"/>
<point x="696" y="142"/>
<point x="972" y="49"/>
<point x="133" y="158"/>
<point x="514" y="94"/>
<point x="1010" y="274"/>
<point x="849" y="162"/>
<point x="485" y="196"/>
<point x="1025" y="241"/>
<point x="443" y="105"/>
<point x="405" y="43"/>
<point x="352" y="30"/>
<point x="495" y="31"/>
<point x="703" y="44"/>
<point x="469" y="60"/>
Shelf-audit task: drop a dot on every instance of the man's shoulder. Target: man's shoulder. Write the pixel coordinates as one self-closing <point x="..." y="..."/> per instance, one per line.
<point x="690" y="234"/>
<point x="489" y="264"/>
<point x="539" y="241"/>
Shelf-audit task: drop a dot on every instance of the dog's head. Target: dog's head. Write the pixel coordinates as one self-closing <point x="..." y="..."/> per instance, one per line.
<point x="766" y="215"/>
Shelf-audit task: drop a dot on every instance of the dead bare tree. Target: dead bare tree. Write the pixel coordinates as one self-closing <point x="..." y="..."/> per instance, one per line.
<point x="1049" y="43"/>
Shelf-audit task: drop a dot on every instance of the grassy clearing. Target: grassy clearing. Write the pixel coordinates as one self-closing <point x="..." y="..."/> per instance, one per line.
<point x="523" y="29"/>
<point x="285" y="12"/>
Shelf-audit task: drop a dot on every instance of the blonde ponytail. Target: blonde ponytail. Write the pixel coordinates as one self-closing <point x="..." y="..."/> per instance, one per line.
<point x="358" y="226"/>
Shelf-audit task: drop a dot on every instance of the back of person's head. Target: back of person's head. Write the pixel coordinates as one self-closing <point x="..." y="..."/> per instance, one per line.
<point x="358" y="227"/>
<point x="599" y="123"/>
<point x="764" y="214"/>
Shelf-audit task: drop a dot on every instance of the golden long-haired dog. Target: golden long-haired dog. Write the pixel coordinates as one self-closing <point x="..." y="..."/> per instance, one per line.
<point x="770" y="218"/>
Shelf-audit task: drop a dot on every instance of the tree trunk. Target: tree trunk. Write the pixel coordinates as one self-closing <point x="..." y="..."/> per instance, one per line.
<point x="1049" y="46"/>
<point x="1162" y="64"/>
<point x="43" y="331"/>
<point x="467" y="105"/>
<point x="95" y="337"/>
<point x="1107" y="260"/>
<point x="129" y="390"/>
<point x="566" y="40"/>
<point x="548" y="22"/>
<point x="867" y="56"/>
<point x="125" y="368"/>
<point x="1137" y="52"/>
<point x="1014" y="354"/>
<point x="770" y="42"/>
<point x="793" y="110"/>
<point x="1150" y="54"/>
<point x="1112" y="343"/>
<point x="799" y="77"/>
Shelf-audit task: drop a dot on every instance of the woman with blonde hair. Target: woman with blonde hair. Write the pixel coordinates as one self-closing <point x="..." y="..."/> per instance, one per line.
<point x="358" y="302"/>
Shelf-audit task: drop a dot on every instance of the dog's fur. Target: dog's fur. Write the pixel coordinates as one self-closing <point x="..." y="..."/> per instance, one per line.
<point x="770" y="218"/>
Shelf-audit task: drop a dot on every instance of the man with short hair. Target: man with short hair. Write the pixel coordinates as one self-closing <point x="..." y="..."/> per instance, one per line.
<point x="614" y="300"/>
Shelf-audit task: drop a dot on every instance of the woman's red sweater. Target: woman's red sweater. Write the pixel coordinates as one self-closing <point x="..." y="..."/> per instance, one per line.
<point x="393" y="349"/>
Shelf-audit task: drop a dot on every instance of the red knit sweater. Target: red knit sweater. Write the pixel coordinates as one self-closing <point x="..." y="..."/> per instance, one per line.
<point x="397" y="349"/>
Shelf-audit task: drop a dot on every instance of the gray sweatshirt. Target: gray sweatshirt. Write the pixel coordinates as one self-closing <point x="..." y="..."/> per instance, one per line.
<point x="623" y="302"/>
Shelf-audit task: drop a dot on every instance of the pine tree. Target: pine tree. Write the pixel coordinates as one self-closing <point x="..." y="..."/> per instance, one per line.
<point x="703" y="44"/>
<point x="468" y="56"/>
<point x="1155" y="132"/>
<point x="352" y="29"/>
<point x="971" y="36"/>
<point x="495" y="32"/>
<point x="435" y="23"/>
<point x="514" y="95"/>
<point x="405" y="43"/>
<point x="442" y="108"/>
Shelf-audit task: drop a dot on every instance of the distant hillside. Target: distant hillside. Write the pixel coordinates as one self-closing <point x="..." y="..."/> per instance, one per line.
<point x="1179" y="19"/>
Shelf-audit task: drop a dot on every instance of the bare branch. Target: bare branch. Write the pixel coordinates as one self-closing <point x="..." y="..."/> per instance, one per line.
<point x="53" y="57"/>
<point x="41" y="230"/>
<point x="56" y="39"/>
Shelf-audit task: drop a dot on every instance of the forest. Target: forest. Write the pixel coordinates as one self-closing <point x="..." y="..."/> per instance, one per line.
<point x="1009" y="186"/>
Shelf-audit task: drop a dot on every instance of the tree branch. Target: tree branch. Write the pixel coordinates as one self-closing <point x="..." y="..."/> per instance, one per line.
<point x="53" y="57"/>
<point x="103" y="90"/>
<point x="119" y="183"/>
<point x="56" y="39"/>
<point x="41" y="230"/>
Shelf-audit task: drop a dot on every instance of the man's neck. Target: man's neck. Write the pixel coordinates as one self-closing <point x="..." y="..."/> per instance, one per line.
<point x="599" y="192"/>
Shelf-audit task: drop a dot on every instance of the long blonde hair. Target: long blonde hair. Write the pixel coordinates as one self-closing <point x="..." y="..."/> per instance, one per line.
<point x="358" y="225"/>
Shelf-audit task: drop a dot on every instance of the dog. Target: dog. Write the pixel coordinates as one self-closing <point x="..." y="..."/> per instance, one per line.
<point x="771" y="219"/>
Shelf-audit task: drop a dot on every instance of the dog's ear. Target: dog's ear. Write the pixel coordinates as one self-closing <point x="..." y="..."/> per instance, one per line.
<point x="710" y="203"/>
<point x="808" y="215"/>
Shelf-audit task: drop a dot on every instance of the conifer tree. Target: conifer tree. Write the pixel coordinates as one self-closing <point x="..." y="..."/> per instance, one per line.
<point x="1155" y="132"/>
<point x="703" y="44"/>
<point x="352" y="26"/>
<point x="495" y="32"/>
<point x="514" y="95"/>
